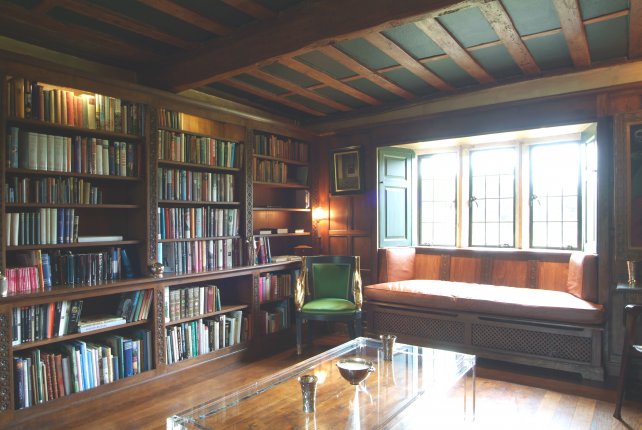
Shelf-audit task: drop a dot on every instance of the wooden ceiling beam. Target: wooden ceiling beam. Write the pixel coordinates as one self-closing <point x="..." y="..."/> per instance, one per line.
<point x="271" y="96"/>
<point x="574" y="32"/>
<point x="499" y="20"/>
<point x="314" y="24"/>
<point x="454" y="50"/>
<point x="44" y="6"/>
<point x="184" y="14"/>
<point x="251" y="8"/>
<point x="298" y="90"/>
<point x="328" y="80"/>
<point x="635" y="29"/>
<point x="362" y="71"/>
<point x="395" y="52"/>
<point x="121" y="21"/>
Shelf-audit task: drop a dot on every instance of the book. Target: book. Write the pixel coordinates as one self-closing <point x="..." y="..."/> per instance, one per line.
<point x="86" y="239"/>
<point x="282" y="230"/>
<point x="99" y="321"/>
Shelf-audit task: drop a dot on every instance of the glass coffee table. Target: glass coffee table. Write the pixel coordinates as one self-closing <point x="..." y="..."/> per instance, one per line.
<point x="276" y="402"/>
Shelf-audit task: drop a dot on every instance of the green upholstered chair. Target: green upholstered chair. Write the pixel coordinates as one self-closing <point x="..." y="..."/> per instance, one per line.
<point x="328" y="289"/>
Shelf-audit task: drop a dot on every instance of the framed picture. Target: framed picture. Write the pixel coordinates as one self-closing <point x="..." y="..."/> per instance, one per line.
<point x="347" y="171"/>
<point x="628" y="185"/>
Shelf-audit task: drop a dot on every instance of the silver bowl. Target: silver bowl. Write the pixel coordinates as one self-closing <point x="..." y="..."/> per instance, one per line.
<point x="355" y="370"/>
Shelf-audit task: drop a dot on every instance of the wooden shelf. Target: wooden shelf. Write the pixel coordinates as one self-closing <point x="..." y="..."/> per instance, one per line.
<point x="43" y="342"/>
<point x="73" y="245"/>
<point x="195" y="239"/>
<point x="283" y="160"/>
<point x="31" y="172"/>
<point x="305" y="233"/>
<point x="281" y="185"/>
<point x="75" y="205"/>
<point x="275" y="209"/>
<point x="197" y="203"/>
<point x="194" y="166"/>
<point x="70" y="129"/>
<point x="224" y="310"/>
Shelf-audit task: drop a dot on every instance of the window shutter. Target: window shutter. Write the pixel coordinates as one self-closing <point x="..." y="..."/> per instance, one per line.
<point x="395" y="201"/>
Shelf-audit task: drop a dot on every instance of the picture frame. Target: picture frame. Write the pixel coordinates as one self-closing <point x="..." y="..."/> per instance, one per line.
<point x="347" y="170"/>
<point x="628" y="185"/>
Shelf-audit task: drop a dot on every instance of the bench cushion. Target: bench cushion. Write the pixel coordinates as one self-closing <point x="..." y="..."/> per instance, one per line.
<point x="526" y="303"/>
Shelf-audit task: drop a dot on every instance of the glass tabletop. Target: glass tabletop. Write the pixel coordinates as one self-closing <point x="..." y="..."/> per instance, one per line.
<point x="276" y="401"/>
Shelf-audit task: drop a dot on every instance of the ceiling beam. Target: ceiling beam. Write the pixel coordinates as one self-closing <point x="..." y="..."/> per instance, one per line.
<point x="274" y="80"/>
<point x="251" y="8"/>
<point x="313" y="24"/>
<point x="499" y="20"/>
<point x="271" y="96"/>
<point x="328" y="80"/>
<point x="362" y="71"/>
<point x="635" y="29"/>
<point x="122" y="21"/>
<point x="455" y="51"/>
<point x="184" y="14"/>
<point x="574" y="32"/>
<point x="44" y="6"/>
<point x="395" y="52"/>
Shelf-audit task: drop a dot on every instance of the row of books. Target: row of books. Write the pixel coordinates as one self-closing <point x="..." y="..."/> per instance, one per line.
<point x="188" y="302"/>
<point x="47" y="226"/>
<point x="52" y="191"/>
<point x="75" y="366"/>
<point x="276" y="318"/>
<point x="135" y="305"/>
<point x="170" y="119"/>
<point x="262" y="253"/>
<point x="187" y="148"/>
<point x="280" y="147"/>
<point x="194" y="338"/>
<point x="274" y="286"/>
<point x="181" y="184"/>
<point x="198" y="256"/>
<point x="188" y="223"/>
<point x="45" y="321"/>
<point x="32" y="100"/>
<point x="77" y="154"/>
<point x="270" y="171"/>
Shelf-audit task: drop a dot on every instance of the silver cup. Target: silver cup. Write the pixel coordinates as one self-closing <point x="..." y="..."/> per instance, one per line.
<point x="388" y="344"/>
<point x="308" y="392"/>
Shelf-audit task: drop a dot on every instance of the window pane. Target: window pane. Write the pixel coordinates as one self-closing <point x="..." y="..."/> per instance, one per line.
<point x="539" y="235"/>
<point x="570" y="235"/>
<point x="438" y="182"/>
<point x="479" y="210"/>
<point x="570" y="208"/>
<point x="554" y="237"/>
<point x="492" y="210"/>
<point x="506" y="210"/>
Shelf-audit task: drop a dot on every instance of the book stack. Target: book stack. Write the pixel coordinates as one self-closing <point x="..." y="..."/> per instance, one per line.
<point x="187" y="148"/>
<point x="191" y="301"/>
<point x="46" y="321"/>
<point x="199" y="256"/>
<point x="280" y="147"/>
<point x="97" y="322"/>
<point x="188" y="223"/>
<point x="270" y="171"/>
<point x="52" y="191"/>
<point x="31" y="100"/>
<point x="86" y="268"/>
<point x="185" y="185"/>
<point x="47" y="226"/>
<point x="78" y="154"/>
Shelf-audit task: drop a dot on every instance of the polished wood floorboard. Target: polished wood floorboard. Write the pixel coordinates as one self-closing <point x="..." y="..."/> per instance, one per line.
<point x="507" y="398"/>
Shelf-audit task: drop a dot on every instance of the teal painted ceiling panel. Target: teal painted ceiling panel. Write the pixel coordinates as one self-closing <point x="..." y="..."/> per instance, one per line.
<point x="326" y="64"/>
<point x="532" y="16"/>
<point x="222" y="89"/>
<point x="366" y="54"/>
<point x="310" y="103"/>
<point x="608" y="39"/>
<point x="497" y="61"/>
<point x="410" y="82"/>
<point x="255" y="82"/>
<point x="550" y="52"/>
<point x="367" y="86"/>
<point x="283" y="72"/>
<point x="139" y="40"/>
<point x="216" y="10"/>
<point x="278" y="5"/>
<point x="340" y="97"/>
<point x="469" y="27"/>
<point x="450" y="72"/>
<point x="593" y="8"/>
<point x="413" y="41"/>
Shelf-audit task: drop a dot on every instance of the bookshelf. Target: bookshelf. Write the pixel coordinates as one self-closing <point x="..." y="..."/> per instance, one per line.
<point x="281" y="200"/>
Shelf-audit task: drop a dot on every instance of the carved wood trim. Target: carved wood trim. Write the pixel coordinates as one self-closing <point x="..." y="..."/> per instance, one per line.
<point x="247" y="185"/>
<point x="532" y="281"/>
<point x="159" y="327"/>
<point x="444" y="268"/>
<point x="152" y="172"/>
<point x="486" y="270"/>
<point x="5" y="361"/>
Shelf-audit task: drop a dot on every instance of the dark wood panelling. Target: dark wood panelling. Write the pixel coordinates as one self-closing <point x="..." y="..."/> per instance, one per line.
<point x="340" y="213"/>
<point x="339" y="245"/>
<point x="361" y="246"/>
<point x="363" y="219"/>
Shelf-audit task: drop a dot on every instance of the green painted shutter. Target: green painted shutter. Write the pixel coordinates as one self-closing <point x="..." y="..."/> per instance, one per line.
<point x="395" y="197"/>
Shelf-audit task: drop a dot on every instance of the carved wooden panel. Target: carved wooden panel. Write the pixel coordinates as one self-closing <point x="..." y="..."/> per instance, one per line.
<point x="362" y="215"/>
<point x="152" y="171"/>
<point x="552" y="275"/>
<point x="5" y="361"/>
<point x="533" y="273"/>
<point x="444" y="268"/>
<point x="465" y="269"/>
<point x="339" y="245"/>
<point x="427" y="266"/>
<point x="340" y="213"/>
<point x="159" y="328"/>
<point x="512" y="273"/>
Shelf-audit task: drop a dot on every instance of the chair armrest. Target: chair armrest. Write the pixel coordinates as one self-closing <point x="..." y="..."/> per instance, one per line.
<point x="301" y="288"/>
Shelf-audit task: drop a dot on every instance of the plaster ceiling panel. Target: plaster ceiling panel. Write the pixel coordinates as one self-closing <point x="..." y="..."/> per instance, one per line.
<point x="497" y="61"/>
<point x="258" y="83"/>
<point x="287" y="74"/>
<point x="340" y="97"/>
<point x="413" y="41"/>
<point x="593" y="8"/>
<point x="310" y="103"/>
<point x="532" y="16"/>
<point x="449" y="71"/>
<point x="366" y="86"/>
<point x="366" y="54"/>
<point x="322" y="62"/>
<point x="410" y="82"/>
<point x="550" y="52"/>
<point x="608" y="39"/>
<point x="469" y="27"/>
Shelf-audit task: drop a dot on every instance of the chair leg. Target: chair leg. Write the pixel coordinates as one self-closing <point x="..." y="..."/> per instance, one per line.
<point x="358" y="327"/>
<point x="298" y="335"/>
<point x="310" y="334"/>
<point x="621" y="384"/>
<point x="351" y="329"/>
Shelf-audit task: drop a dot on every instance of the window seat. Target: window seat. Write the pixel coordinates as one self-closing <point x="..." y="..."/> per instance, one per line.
<point x="523" y="307"/>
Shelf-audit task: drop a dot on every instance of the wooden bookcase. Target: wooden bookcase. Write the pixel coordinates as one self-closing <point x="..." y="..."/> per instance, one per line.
<point x="131" y="211"/>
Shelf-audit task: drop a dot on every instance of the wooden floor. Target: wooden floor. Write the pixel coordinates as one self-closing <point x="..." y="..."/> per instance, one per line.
<point x="507" y="398"/>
